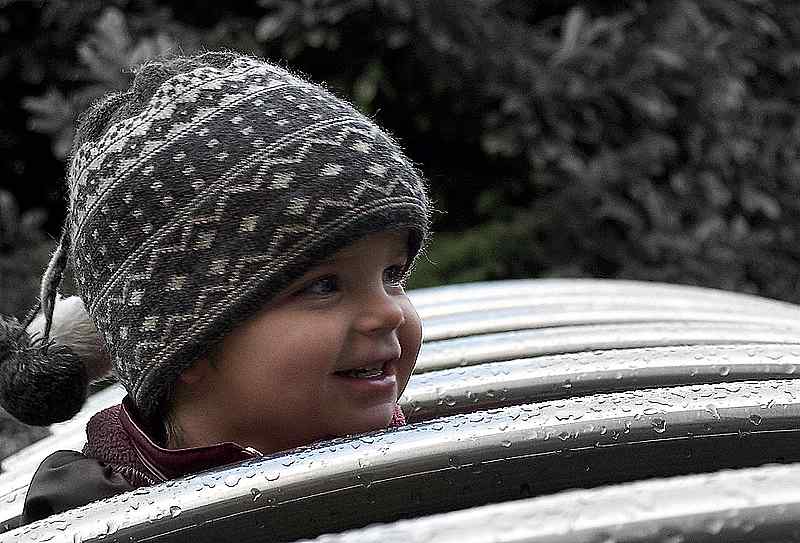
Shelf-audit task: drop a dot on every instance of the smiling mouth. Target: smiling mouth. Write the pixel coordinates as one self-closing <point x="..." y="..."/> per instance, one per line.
<point x="368" y="372"/>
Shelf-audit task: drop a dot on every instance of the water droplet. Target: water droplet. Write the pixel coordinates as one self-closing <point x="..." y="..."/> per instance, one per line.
<point x="755" y="419"/>
<point x="711" y="408"/>
<point x="232" y="480"/>
<point x="659" y="425"/>
<point x="603" y="431"/>
<point x="288" y="461"/>
<point x="209" y="483"/>
<point x="505" y="443"/>
<point x="61" y="525"/>
<point x="724" y="371"/>
<point x="567" y="384"/>
<point x="563" y="436"/>
<point x="256" y="493"/>
<point x="272" y="475"/>
<point x="715" y="526"/>
<point x="174" y="511"/>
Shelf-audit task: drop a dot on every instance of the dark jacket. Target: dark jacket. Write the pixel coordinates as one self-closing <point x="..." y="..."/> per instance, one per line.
<point x="119" y="456"/>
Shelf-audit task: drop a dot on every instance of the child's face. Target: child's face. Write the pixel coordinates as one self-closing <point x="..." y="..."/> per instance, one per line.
<point x="285" y="378"/>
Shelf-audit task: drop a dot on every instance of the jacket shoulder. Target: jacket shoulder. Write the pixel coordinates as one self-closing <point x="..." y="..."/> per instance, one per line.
<point x="69" y="479"/>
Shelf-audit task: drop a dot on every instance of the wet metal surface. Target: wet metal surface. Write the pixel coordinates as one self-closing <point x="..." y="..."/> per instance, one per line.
<point x="526" y="318"/>
<point x="553" y="293"/>
<point x="466" y="351"/>
<point x="755" y="504"/>
<point x="497" y="384"/>
<point x="575" y="337"/>
<point x="453" y="463"/>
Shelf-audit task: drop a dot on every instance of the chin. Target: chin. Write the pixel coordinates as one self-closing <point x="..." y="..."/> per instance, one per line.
<point x="375" y="418"/>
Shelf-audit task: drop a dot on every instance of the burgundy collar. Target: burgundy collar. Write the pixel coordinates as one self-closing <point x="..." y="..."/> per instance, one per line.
<point x="165" y="464"/>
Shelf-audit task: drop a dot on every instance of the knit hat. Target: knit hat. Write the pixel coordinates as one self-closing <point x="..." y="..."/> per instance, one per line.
<point x="188" y="216"/>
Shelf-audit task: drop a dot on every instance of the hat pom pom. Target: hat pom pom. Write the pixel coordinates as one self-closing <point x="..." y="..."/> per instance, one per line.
<point x="73" y="328"/>
<point x="40" y="383"/>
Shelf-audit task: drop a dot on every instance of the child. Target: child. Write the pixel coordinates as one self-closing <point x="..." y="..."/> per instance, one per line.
<point x="239" y="238"/>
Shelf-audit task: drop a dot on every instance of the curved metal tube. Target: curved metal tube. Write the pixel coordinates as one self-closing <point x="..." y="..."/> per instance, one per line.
<point x="480" y="296"/>
<point x="498" y="384"/>
<point x="453" y="463"/>
<point x="570" y="339"/>
<point x="754" y="504"/>
<point x="532" y="317"/>
<point x="491" y="385"/>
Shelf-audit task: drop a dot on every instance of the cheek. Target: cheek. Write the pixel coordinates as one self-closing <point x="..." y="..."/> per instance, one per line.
<point x="410" y="337"/>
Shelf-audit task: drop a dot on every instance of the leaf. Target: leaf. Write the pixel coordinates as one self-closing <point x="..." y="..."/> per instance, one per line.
<point x="147" y="48"/>
<point x="366" y="86"/>
<point x="717" y="194"/>
<point x="573" y="26"/>
<point x="9" y="218"/>
<point x="272" y="27"/>
<point x="571" y="30"/>
<point x="756" y="201"/>
<point x="48" y="112"/>
<point x="106" y="51"/>
<point x="667" y="58"/>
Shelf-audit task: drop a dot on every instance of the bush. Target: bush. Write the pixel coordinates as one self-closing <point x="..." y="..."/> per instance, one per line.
<point x="660" y="143"/>
<point x="645" y="140"/>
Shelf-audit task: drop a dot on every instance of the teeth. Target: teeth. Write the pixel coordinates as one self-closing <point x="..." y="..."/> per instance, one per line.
<point x="362" y="373"/>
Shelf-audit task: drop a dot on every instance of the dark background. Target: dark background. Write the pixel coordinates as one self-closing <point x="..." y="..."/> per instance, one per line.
<point x="648" y="140"/>
<point x="653" y="140"/>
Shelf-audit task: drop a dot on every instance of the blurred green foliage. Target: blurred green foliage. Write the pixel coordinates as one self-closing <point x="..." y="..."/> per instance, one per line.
<point x="638" y="139"/>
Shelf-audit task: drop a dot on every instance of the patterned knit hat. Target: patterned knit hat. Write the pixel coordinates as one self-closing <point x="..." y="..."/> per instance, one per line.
<point x="189" y="216"/>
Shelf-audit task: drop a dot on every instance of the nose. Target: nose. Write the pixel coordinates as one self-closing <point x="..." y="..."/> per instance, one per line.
<point x="380" y="312"/>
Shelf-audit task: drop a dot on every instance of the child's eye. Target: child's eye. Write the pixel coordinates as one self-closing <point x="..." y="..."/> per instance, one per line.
<point x="394" y="276"/>
<point x="324" y="286"/>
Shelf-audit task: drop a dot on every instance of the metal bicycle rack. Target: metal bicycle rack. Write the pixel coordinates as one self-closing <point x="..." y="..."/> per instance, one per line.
<point x="522" y="389"/>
